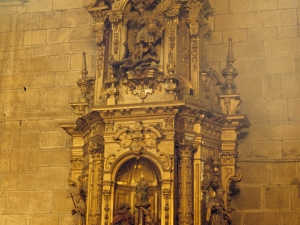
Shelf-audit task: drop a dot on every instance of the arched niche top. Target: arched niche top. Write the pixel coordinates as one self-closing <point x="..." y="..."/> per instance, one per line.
<point x="131" y="171"/>
<point x="154" y="163"/>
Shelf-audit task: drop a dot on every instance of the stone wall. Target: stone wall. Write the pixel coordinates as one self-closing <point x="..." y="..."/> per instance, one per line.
<point x="266" y="41"/>
<point x="41" y="45"/>
<point x="41" y="42"/>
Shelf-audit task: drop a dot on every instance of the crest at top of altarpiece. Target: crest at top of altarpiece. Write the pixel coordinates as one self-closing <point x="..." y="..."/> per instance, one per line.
<point x="152" y="51"/>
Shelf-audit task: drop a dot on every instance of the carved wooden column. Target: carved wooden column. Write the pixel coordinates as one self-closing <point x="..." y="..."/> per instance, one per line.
<point x="96" y="173"/>
<point x="185" y="151"/>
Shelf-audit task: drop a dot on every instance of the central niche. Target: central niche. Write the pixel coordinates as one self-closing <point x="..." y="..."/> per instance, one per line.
<point x="128" y="177"/>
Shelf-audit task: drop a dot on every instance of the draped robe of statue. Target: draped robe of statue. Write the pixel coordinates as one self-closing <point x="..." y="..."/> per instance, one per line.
<point x="123" y="216"/>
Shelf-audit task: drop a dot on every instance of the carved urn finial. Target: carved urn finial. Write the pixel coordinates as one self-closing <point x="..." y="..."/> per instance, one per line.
<point x="84" y="71"/>
<point x="229" y="72"/>
<point x="82" y="82"/>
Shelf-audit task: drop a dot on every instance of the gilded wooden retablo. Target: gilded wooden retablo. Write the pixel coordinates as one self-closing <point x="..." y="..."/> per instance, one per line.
<point x="155" y="140"/>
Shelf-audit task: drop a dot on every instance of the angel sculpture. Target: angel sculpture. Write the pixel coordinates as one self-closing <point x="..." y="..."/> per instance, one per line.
<point x="149" y="19"/>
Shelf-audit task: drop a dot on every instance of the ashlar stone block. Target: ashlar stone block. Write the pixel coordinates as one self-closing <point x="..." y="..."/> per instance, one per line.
<point x="18" y="162"/>
<point x="26" y="140"/>
<point x="50" y="19"/>
<point x="294" y="108"/>
<point x="296" y="196"/>
<point x="262" y="5"/>
<point x="236" y="35"/>
<point x="58" y="35"/>
<point x="6" y="141"/>
<point x="289" y="87"/>
<point x="28" y="21"/>
<point x="254" y="173"/>
<point x="49" y="219"/>
<point x="51" y="178"/>
<point x="267" y="149"/>
<point x="2" y="205"/>
<point x="39" y="5"/>
<point x="58" y="4"/>
<point x="36" y="37"/>
<point x="60" y="48"/>
<point x="5" y="23"/>
<point x="22" y="202"/>
<point x="76" y="62"/>
<point x="285" y="4"/>
<point x="220" y="6"/>
<point x="14" y="219"/>
<point x="69" y="78"/>
<point x="261" y="218"/>
<point x="53" y="139"/>
<point x="59" y="63"/>
<point x="60" y="202"/>
<point x="66" y="219"/>
<point x="283" y="173"/>
<point x="239" y="6"/>
<point x="284" y="130"/>
<point x="37" y="159"/>
<point x="288" y="218"/>
<point x="285" y="17"/>
<point x="250" y="20"/>
<point x="212" y="50"/>
<point x="33" y="99"/>
<point x="226" y="22"/>
<point x="281" y="47"/>
<point x="81" y="33"/>
<point x="56" y="98"/>
<point x="291" y="149"/>
<point x="259" y="131"/>
<point x="60" y="157"/>
<point x="75" y="17"/>
<point x="36" y="64"/>
<point x="17" y="182"/>
<point x="273" y="65"/>
<point x="290" y="32"/>
<point x="249" y="198"/>
<point x="277" y="197"/>
<point x="272" y="85"/>
<point x="248" y="49"/>
<point x="5" y="157"/>
<point x="262" y="33"/>
<point x="266" y="110"/>
<point x="250" y="87"/>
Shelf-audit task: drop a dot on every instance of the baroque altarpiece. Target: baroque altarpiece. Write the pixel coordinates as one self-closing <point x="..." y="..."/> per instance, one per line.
<point x="157" y="129"/>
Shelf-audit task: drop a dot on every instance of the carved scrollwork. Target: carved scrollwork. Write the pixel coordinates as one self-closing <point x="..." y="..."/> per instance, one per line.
<point x="165" y="160"/>
<point x="138" y="138"/>
<point x="77" y="163"/>
<point x="109" y="160"/>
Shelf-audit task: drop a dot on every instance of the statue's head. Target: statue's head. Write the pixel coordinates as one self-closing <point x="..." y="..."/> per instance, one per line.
<point x="124" y="205"/>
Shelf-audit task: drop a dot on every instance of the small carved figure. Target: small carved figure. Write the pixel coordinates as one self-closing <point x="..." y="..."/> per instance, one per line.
<point x="148" y="15"/>
<point x="123" y="216"/>
<point x="79" y="210"/>
<point x="216" y="214"/>
<point x="142" y="193"/>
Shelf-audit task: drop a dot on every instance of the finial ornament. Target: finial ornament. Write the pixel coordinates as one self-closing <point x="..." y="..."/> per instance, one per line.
<point x="229" y="73"/>
<point x="84" y="71"/>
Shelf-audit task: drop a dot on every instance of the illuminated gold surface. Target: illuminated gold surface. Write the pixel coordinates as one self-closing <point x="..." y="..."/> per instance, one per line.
<point x="143" y="114"/>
